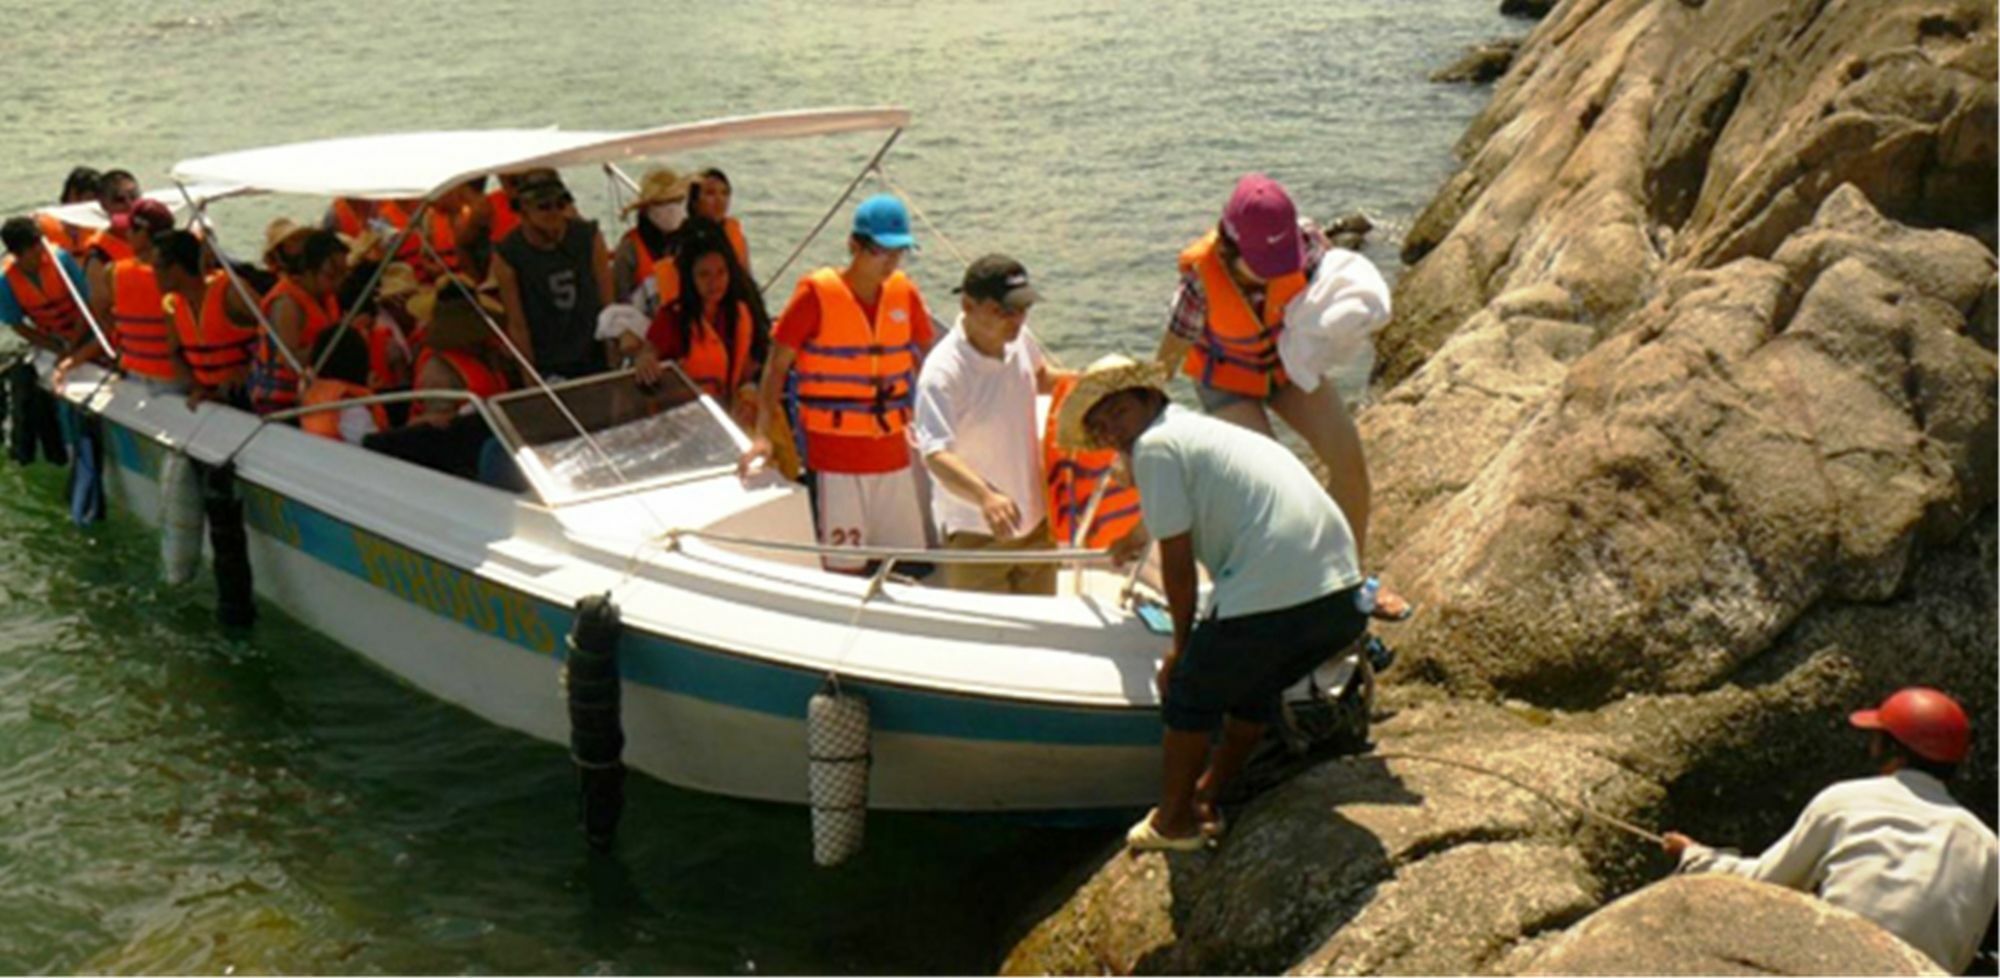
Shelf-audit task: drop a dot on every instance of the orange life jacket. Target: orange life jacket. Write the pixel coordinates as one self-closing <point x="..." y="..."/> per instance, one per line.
<point x="326" y="423"/>
<point x="856" y="378"/>
<point x="504" y="219"/>
<point x="46" y="298"/>
<point x="1238" y="348"/>
<point x="68" y="237"/>
<point x="734" y="229"/>
<point x="666" y="272"/>
<point x="109" y="246"/>
<point x="381" y="340"/>
<point x="1072" y="478"/>
<point x="349" y="221"/>
<point x="479" y="378"/>
<point x="274" y="385"/>
<point x="444" y="240"/>
<point x="139" y="322"/>
<point x="215" y="348"/>
<point x="716" y="366"/>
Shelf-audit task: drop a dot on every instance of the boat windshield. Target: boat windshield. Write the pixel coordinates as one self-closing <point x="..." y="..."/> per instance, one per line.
<point x="638" y="435"/>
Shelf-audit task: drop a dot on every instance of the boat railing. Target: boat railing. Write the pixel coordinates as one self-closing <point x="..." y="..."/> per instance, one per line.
<point x="390" y="397"/>
<point x="891" y="556"/>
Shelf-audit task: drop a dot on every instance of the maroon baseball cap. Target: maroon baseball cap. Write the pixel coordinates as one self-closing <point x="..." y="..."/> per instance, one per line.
<point x="1261" y="220"/>
<point x="148" y="214"/>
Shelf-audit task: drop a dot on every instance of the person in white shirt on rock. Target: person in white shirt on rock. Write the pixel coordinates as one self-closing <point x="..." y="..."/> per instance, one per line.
<point x="976" y="431"/>
<point x="1895" y="848"/>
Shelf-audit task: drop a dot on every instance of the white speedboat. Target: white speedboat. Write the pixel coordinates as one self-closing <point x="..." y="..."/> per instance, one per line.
<point x="977" y="702"/>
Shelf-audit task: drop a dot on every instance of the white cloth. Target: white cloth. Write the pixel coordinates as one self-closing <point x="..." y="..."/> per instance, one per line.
<point x="1896" y="849"/>
<point x="1333" y="322"/>
<point x="982" y="409"/>
<point x="1269" y="536"/>
<point x="874" y="510"/>
<point x="356" y="423"/>
<point x="618" y="319"/>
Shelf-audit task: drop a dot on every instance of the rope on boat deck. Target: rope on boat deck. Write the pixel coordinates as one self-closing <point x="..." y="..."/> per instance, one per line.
<point x="1581" y="809"/>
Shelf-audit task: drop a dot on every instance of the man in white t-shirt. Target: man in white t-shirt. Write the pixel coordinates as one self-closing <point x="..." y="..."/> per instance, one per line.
<point x="1280" y="554"/>
<point x="976" y="431"/>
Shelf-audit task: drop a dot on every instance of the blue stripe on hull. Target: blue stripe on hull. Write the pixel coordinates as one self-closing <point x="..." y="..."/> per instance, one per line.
<point x="709" y="674"/>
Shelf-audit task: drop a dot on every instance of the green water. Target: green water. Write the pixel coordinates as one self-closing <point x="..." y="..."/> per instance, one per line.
<point x="173" y="799"/>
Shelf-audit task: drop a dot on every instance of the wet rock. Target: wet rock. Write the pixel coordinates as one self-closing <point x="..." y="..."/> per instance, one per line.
<point x="1349" y="231"/>
<point x="1723" y="925"/>
<point x="1481" y="63"/>
<point x="1534" y="9"/>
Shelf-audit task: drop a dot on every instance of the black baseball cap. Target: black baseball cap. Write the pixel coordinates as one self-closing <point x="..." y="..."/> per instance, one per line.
<point x="541" y="183"/>
<point x="1001" y="279"/>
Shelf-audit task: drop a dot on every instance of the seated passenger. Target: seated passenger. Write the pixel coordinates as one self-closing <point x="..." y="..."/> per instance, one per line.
<point x="710" y="330"/>
<point x="709" y="199"/>
<point x="342" y="377"/>
<point x="554" y="274"/>
<point x="457" y="355"/>
<point x="382" y="317"/>
<point x="646" y="251"/>
<point x="301" y="306"/>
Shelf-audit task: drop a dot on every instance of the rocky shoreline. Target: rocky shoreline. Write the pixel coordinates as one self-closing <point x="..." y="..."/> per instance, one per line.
<point x="1685" y="442"/>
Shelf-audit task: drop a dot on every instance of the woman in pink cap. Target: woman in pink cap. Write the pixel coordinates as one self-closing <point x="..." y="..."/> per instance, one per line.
<point x="1223" y="333"/>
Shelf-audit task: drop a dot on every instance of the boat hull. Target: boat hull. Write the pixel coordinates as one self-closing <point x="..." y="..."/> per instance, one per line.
<point x="703" y="718"/>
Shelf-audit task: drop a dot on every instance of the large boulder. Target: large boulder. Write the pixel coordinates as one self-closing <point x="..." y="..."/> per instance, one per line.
<point x="1723" y="925"/>
<point x="1631" y="136"/>
<point x="1759" y="439"/>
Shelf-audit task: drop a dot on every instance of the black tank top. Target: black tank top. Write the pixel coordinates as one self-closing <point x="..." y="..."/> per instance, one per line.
<point x="559" y="297"/>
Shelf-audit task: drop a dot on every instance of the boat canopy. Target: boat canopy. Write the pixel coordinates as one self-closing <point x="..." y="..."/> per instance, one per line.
<point x="88" y="214"/>
<point x="425" y="164"/>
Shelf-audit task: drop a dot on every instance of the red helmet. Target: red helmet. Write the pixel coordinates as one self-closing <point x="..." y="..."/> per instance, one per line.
<point x="1926" y="721"/>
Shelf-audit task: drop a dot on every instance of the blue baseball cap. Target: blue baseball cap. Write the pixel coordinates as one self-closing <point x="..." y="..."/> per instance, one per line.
<point x="884" y="220"/>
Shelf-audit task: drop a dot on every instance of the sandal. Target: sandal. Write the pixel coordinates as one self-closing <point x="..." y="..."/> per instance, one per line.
<point x="1143" y="837"/>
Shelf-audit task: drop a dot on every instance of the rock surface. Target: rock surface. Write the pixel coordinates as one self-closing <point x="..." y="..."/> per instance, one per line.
<point x="1722" y="925"/>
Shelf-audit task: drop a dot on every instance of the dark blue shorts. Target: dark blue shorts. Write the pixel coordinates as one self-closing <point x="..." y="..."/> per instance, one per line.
<point x="1240" y="666"/>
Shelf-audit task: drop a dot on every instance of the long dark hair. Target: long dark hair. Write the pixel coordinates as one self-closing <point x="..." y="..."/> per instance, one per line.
<point x="81" y="184"/>
<point x="699" y="238"/>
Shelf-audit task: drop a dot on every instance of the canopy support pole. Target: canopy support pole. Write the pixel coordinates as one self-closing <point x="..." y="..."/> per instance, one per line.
<point x="395" y="245"/>
<point x="76" y="296"/>
<point x="214" y="243"/>
<point x="528" y="368"/>
<point x="874" y="166"/>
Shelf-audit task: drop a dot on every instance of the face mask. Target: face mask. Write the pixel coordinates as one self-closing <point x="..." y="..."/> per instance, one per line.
<point x="667" y="217"/>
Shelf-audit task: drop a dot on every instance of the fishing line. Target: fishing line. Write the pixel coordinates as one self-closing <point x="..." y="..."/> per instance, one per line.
<point x="1580" y="809"/>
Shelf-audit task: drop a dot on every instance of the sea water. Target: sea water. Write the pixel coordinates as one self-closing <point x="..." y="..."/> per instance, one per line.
<point x="174" y="799"/>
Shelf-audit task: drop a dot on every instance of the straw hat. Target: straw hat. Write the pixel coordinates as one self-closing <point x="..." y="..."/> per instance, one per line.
<point x="424" y="302"/>
<point x="660" y="186"/>
<point x="1107" y="375"/>
<point x="397" y="279"/>
<point x="281" y="232"/>
<point x="359" y="245"/>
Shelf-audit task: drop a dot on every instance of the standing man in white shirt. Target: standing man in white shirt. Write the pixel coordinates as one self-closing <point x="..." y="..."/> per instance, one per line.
<point x="976" y="431"/>
<point x="1895" y="848"/>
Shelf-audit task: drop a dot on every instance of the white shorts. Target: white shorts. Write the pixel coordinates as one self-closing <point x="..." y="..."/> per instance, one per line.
<point x="879" y="510"/>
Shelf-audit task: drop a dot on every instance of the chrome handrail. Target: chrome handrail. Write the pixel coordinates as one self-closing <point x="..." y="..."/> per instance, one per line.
<point x="673" y="537"/>
<point x="393" y="397"/>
